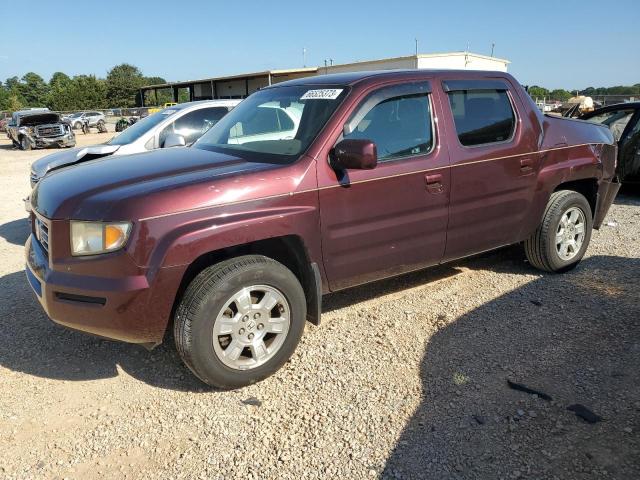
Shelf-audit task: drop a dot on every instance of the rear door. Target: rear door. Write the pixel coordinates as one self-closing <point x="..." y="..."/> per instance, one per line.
<point x="494" y="164"/>
<point x="392" y="219"/>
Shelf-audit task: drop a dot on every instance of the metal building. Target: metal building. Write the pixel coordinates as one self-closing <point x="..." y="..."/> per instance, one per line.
<point x="240" y="86"/>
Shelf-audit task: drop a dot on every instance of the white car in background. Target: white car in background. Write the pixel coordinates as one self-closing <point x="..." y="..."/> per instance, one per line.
<point x="178" y="125"/>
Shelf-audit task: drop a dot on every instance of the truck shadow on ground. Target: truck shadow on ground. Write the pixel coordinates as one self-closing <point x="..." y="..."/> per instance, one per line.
<point x="575" y="337"/>
<point x="33" y="344"/>
<point x="16" y="231"/>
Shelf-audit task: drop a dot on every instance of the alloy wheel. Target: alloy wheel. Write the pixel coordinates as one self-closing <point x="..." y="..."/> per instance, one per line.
<point x="251" y="328"/>
<point x="570" y="233"/>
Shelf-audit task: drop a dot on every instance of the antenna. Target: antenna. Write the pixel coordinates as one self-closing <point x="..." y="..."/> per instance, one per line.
<point x="304" y="57"/>
<point x="493" y="45"/>
<point x="416" y="46"/>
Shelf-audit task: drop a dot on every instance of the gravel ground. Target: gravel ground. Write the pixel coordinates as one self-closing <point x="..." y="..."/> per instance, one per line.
<point x="405" y="378"/>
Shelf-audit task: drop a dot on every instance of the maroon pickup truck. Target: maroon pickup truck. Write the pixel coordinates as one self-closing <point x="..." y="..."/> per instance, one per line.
<point x="305" y="188"/>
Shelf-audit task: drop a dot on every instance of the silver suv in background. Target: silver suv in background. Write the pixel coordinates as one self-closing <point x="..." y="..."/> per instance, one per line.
<point x="76" y="119"/>
<point x="175" y="126"/>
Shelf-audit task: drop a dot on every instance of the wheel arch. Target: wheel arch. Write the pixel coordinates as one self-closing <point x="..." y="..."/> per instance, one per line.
<point x="587" y="187"/>
<point x="290" y="250"/>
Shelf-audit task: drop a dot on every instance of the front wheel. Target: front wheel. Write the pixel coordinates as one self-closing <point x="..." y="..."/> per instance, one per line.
<point x="562" y="238"/>
<point x="239" y="321"/>
<point x="25" y="144"/>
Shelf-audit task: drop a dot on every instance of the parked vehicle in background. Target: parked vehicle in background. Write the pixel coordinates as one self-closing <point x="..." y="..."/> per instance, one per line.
<point x="178" y="125"/>
<point x="233" y="241"/>
<point x="39" y="129"/>
<point x="157" y="109"/>
<point x="623" y="120"/>
<point x="76" y="120"/>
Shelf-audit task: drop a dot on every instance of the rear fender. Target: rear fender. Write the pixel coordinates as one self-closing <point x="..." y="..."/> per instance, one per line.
<point x="558" y="166"/>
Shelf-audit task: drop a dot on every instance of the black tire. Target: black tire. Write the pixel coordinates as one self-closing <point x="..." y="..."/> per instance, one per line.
<point x="207" y="294"/>
<point x="25" y="144"/>
<point x="541" y="249"/>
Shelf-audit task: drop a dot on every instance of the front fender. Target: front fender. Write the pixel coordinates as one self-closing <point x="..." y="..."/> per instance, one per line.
<point x="179" y="239"/>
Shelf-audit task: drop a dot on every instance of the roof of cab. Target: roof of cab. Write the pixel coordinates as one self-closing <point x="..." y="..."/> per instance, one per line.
<point x="352" y="78"/>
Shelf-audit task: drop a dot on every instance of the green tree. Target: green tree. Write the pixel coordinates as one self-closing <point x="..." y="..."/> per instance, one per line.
<point x="4" y="97"/>
<point x="560" y="94"/>
<point x="81" y="93"/>
<point x="123" y="85"/>
<point x="538" y="92"/>
<point x="34" y="90"/>
<point x="154" y="81"/>
<point x="12" y="82"/>
<point x="15" y="103"/>
<point x="60" y="80"/>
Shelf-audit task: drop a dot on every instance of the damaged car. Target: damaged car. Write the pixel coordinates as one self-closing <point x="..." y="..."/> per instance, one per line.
<point x="623" y="120"/>
<point x="176" y="126"/>
<point x="39" y="129"/>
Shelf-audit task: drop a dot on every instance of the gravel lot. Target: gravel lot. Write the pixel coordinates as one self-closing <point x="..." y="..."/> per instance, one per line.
<point x="405" y="378"/>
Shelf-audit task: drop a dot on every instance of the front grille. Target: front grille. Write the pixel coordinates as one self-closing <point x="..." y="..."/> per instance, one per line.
<point x="42" y="234"/>
<point x="49" y="130"/>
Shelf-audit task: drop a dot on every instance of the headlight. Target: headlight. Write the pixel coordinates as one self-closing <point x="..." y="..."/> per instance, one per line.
<point x="90" y="238"/>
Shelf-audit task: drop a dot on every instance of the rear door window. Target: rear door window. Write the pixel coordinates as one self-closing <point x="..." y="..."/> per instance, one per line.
<point x="482" y="116"/>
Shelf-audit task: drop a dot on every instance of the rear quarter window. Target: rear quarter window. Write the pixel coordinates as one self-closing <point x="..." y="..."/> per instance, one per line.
<point x="482" y="116"/>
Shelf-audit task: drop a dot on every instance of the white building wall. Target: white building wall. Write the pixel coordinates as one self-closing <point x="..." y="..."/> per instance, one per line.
<point x="390" y="64"/>
<point x="462" y="62"/>
<point x="454" y="60"/>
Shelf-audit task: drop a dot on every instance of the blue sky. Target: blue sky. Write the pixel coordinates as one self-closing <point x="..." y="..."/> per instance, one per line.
<point x="557" y="44"/>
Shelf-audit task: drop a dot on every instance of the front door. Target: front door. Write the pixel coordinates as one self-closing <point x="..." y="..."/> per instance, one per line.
<point x="392" y="219"/>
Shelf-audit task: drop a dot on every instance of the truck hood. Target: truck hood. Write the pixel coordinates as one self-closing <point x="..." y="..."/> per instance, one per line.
<point x="131" y="187"/>
<point x="72" y="156"/>
<point x="39" y="119"/>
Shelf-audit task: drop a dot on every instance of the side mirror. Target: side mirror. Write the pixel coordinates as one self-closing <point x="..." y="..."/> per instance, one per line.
<point x="354" y="154"/>
<point x="174" y="140"/>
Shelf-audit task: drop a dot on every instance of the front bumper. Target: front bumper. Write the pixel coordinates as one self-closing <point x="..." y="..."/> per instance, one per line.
<point x="68" y="140"/>
<point x="126" y="309"/>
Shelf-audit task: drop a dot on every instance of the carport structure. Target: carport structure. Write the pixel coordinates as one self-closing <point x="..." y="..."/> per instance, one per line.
<point x="235" y="86"/>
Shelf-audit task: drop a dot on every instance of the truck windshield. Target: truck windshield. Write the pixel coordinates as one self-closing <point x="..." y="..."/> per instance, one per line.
<point x="135" y="131"/>
<point x="276" y="123"/>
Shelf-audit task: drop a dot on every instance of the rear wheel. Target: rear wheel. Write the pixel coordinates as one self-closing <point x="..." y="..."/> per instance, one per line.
<point x="562" y="238"/>
<point x="239" y="321"/>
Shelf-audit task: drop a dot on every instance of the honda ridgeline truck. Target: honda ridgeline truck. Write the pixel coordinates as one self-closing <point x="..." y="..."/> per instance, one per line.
<point x="305" y="188"/>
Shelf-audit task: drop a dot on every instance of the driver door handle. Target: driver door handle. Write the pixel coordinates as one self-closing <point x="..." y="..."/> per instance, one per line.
<point x="434" y="183"/>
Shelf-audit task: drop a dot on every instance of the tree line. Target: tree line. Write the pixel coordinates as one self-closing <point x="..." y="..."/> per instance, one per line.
<point x="564" y="95"/>
<point x="120" y="89"/>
